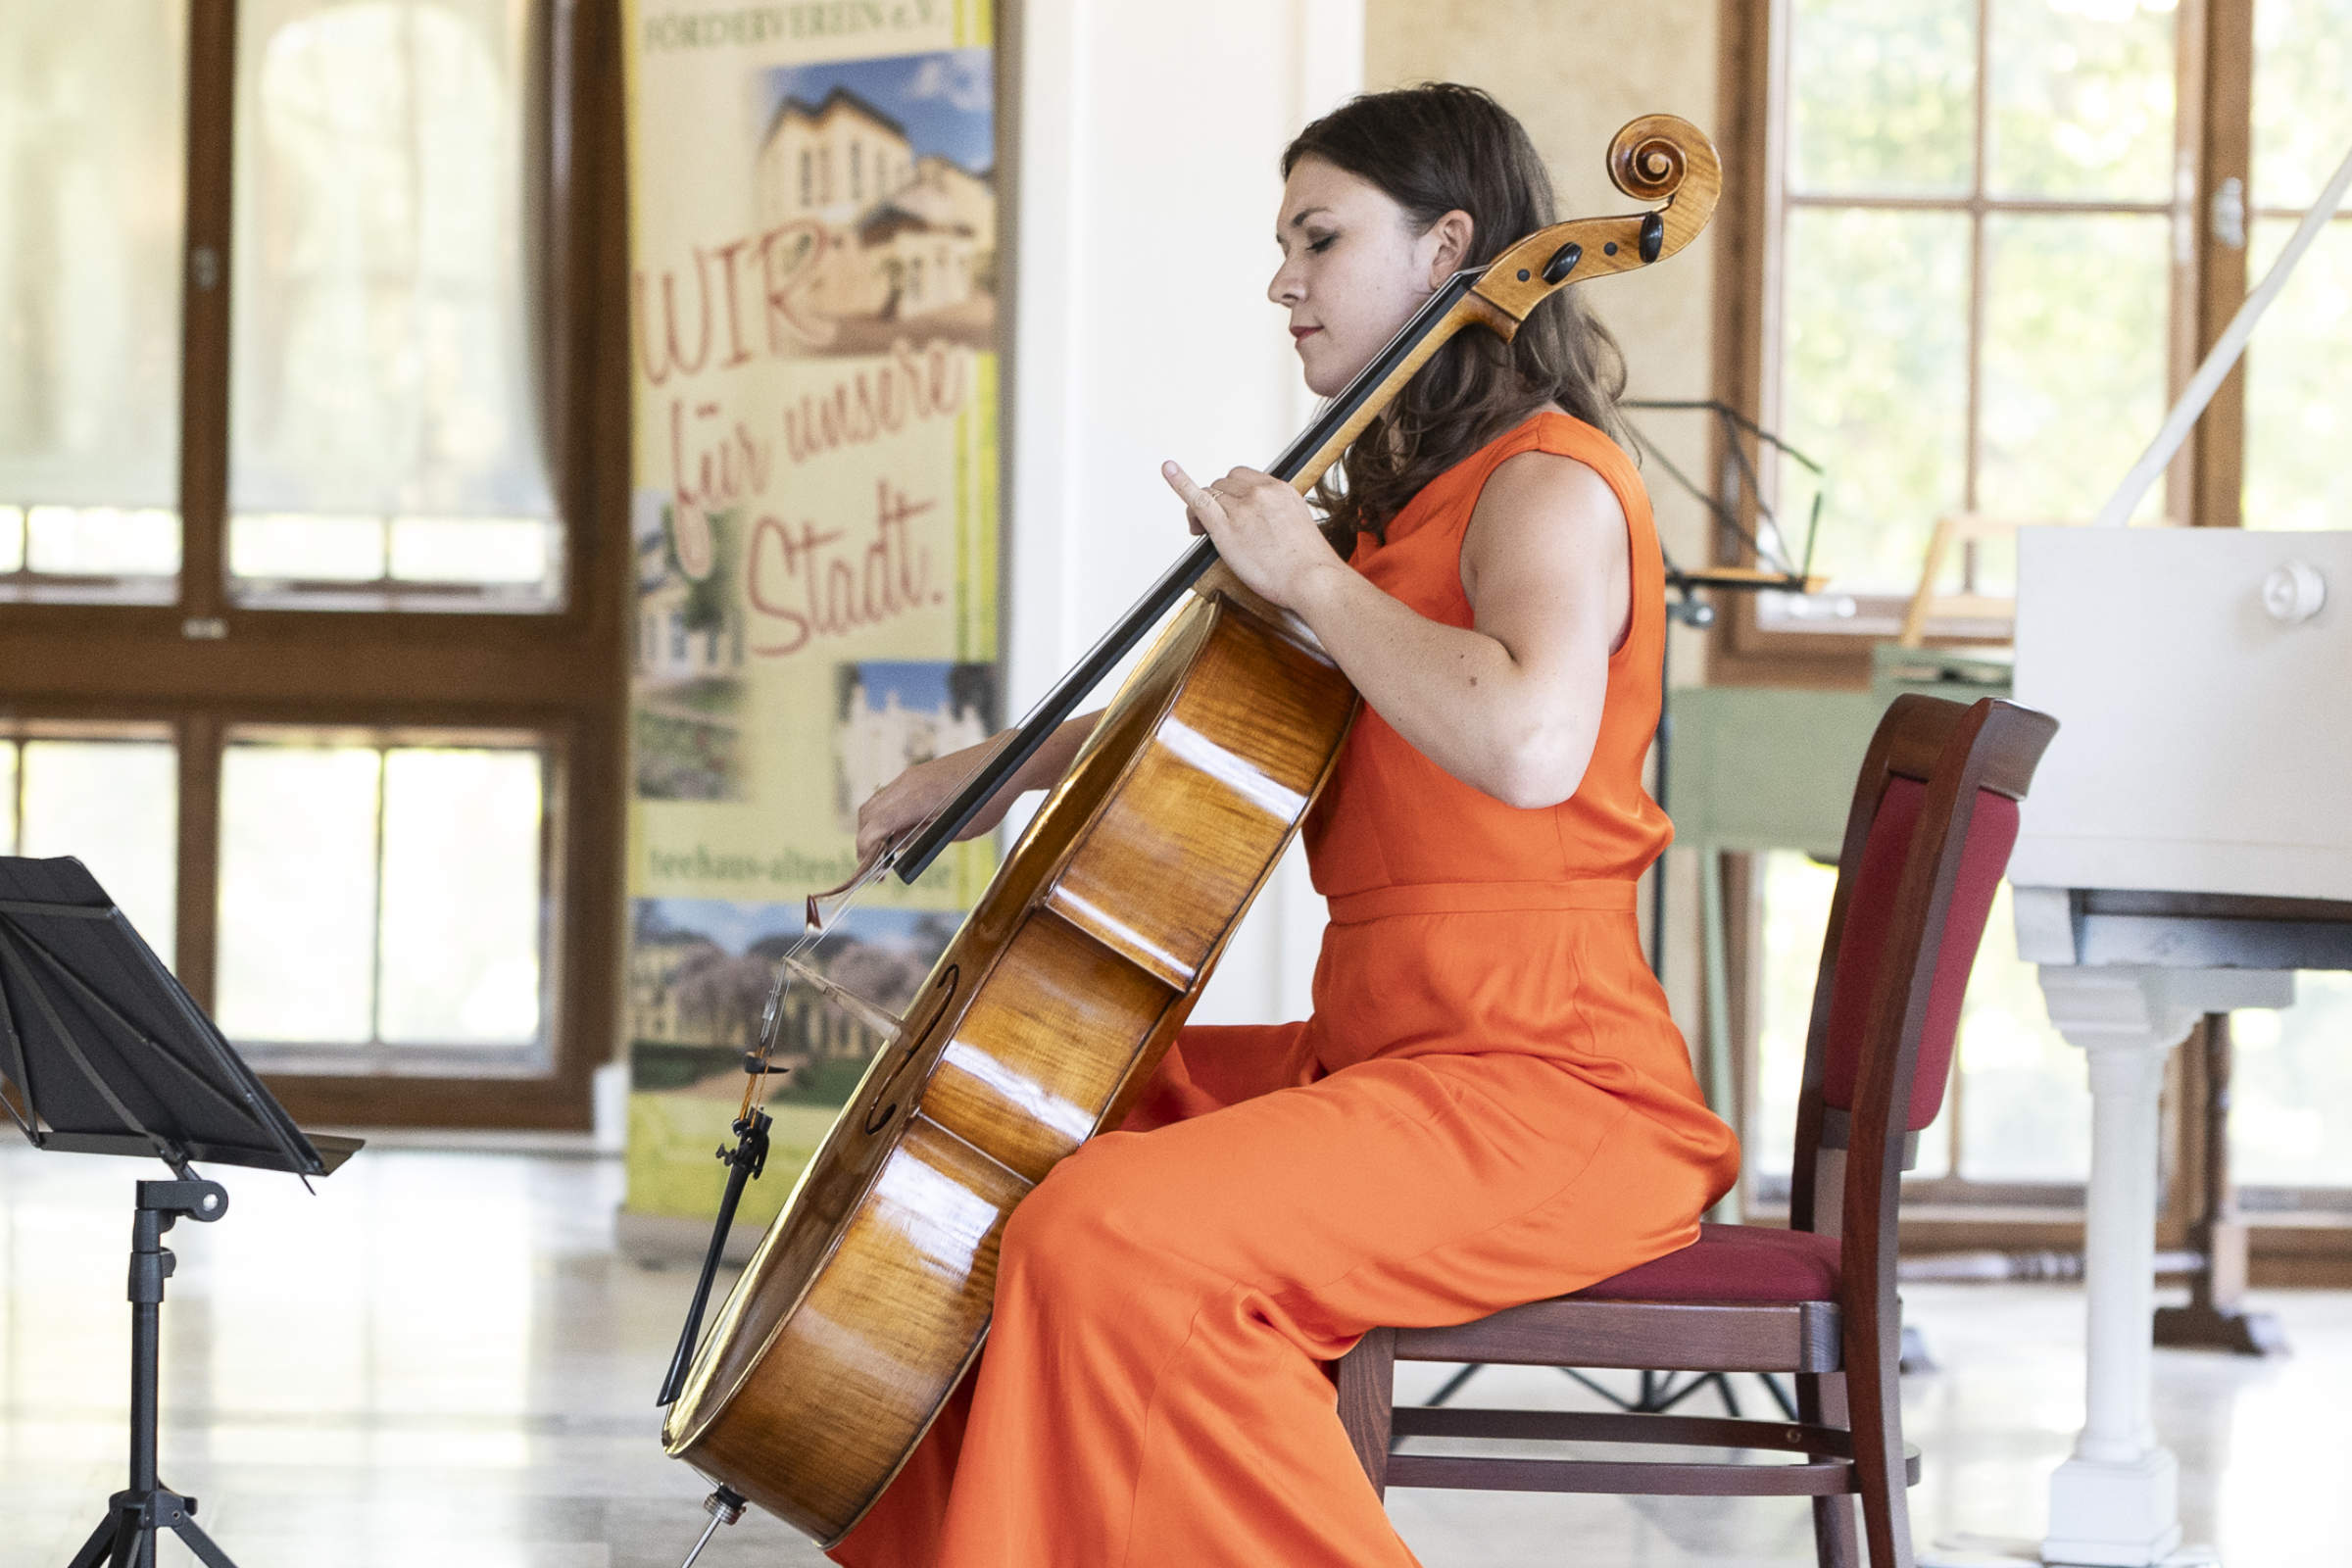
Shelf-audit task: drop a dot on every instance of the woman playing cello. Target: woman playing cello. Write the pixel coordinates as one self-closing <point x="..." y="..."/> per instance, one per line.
<point x="1490" y="1104"/>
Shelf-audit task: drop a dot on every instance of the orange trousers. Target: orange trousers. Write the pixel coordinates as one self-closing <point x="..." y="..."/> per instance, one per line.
<point x="1155" y="1390"/>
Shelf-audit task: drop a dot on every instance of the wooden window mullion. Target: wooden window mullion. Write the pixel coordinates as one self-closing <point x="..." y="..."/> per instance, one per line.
<point x="376" y="972"/>
<point x="198" y="893"/>
<point x="204" y="317"/>
<point x="1972" y="452"/>
<point x="2219" y="443"/>
<point x="2192" y="49"/>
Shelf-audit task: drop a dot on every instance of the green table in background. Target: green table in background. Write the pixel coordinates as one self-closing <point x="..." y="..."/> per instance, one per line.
<point x="1768" y="768"/>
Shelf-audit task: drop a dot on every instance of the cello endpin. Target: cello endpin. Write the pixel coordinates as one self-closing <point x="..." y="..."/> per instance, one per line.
<point x="724" y="1506"/>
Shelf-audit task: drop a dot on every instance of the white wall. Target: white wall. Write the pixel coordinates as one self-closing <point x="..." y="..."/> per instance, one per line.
<point x="1148" y="187"/>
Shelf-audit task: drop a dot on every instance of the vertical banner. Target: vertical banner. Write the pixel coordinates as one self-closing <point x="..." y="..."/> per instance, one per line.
<point x="814" y="319"/>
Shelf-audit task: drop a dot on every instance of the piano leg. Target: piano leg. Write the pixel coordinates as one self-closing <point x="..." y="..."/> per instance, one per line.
<point x="2115" y="1503"/>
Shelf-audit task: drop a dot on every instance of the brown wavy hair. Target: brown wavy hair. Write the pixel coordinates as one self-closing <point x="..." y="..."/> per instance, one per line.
<point x="1434" y="149"/>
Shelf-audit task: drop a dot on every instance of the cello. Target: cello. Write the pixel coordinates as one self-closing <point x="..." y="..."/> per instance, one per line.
<point x="869" y="1296"/>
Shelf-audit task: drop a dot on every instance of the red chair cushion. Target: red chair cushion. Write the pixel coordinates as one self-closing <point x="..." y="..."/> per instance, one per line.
<point x="1993" y="831"/>
<point x="1732" y="1263"/>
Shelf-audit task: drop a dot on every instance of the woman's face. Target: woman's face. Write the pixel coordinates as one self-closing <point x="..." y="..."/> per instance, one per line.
<point x="1352" y="268"/>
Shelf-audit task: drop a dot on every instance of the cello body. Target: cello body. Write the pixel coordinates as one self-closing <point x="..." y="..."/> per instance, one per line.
<point x="870" y="1294"/>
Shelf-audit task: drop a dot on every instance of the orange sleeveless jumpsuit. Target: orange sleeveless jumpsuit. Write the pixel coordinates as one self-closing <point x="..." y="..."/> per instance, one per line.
<point x="1489" y="1105"/>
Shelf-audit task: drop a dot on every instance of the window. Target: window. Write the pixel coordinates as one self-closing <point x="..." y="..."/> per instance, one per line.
<point x="2291" y="1112"/>
<point x="1995" y="238"/>
<point x="2299" y="419"/>
<point x="107" y="795"/>
<point x="410" y="865"/>
<point x="1991" y="239"/>
<point x="309" y="559"/>
<point x="1975" y="232"/>
<point x="94" y="143"/>
<point x="383" y="446"/>
<point x="2017" y="1115"/>
<point x="2290" y="1128"/>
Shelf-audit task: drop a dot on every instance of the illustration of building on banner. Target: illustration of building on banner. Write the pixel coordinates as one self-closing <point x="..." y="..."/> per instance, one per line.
<point x="891" y="714"/>
<point x="701" y="969"/>
<point x="908" y="236"/>
<point x="688" y="686"/>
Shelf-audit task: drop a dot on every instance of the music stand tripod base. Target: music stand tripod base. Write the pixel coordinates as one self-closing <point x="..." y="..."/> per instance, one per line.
<point x="126" y="1537"/>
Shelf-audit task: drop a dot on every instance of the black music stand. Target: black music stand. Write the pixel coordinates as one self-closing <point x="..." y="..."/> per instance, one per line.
<point x="107" y="1055"/>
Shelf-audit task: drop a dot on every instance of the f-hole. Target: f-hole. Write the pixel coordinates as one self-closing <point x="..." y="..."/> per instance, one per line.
<point x="945" y="990"/>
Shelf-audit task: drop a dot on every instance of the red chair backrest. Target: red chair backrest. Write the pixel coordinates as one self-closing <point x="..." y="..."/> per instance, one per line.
<point x="1929" y="833"/>
<point x="1991" y="832"/>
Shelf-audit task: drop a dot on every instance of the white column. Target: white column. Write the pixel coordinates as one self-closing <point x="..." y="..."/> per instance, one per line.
<point x="2115" y="1503"/>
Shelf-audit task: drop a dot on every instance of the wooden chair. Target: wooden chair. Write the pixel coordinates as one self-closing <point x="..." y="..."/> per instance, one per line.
<point x="1933" y="817"/>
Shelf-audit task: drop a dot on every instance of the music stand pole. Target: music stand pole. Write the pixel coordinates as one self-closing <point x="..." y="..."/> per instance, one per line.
<point x="126" y="1537"/>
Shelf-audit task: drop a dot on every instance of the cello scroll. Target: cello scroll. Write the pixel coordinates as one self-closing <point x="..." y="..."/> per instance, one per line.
<point x="1655" y="157"/>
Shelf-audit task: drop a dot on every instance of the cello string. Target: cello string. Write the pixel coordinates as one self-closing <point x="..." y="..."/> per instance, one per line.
<point x="825" y="914"/>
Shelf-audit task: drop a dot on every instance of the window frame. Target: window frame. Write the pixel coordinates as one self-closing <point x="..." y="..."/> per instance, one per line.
<point x="1754" y="110"/>
<point x="206" y="663"/>
<point x="502" y="1061"/>
<point x="2300" y="1234"/>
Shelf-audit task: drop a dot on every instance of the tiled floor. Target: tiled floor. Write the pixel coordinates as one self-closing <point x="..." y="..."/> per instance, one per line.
<point x="439" y="1361"/>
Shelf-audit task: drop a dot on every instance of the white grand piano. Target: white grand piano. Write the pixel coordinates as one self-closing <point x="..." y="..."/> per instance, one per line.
<point x="2188" y="846"/>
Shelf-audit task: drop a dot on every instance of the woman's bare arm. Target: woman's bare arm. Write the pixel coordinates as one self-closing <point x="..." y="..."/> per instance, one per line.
<point x="1510" y="705"/>
<point x="919" y="793"/>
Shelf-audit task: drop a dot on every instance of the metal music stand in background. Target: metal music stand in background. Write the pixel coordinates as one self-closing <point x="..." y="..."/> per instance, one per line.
<point x="1776" y="568"/>
<point x="103" y="1053"/>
